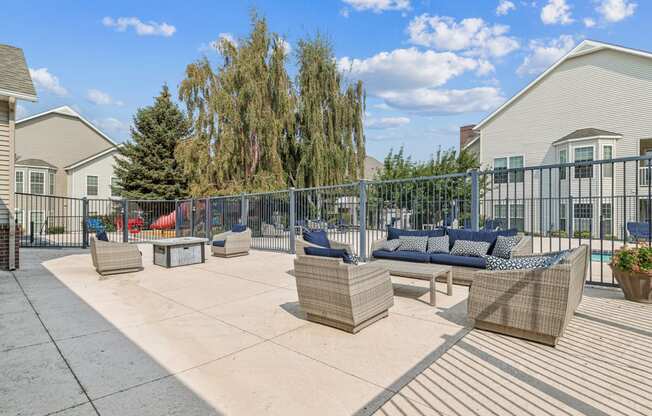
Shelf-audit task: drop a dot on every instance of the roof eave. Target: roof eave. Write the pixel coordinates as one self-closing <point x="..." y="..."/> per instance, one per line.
<point x="19" y="96"/>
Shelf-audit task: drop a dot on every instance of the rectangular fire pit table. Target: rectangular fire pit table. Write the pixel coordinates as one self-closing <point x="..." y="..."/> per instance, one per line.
<point x="173" y="252"/>
<point x="420" y="271"/>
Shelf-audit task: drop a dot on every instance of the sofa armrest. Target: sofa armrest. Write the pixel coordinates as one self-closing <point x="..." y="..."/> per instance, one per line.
<point x="534" y="300"/>
<point x="376" y="245"/>
<point x="523" y="248"/>
<point x="221" y="236"/>
<point x="341" y="246"/>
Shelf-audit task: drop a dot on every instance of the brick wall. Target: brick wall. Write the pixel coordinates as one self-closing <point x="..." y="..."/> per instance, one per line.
<point x="466" y="134"/>
<point x="4" y="246"/>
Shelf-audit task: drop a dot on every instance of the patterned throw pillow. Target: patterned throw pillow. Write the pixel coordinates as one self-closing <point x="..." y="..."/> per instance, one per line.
<point x="390" y="245"/>
<point x="517" y="263"/>
<point x="438" y="244"/>
<point x="409" y="243"/>
<point x="504" y="245"/>
<point x="470" y="248"/>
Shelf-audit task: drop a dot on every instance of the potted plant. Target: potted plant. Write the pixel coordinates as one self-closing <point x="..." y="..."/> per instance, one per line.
<point x="632" y="268"/>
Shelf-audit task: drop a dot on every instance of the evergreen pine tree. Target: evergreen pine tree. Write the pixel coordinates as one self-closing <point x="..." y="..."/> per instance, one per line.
<point x="147" y="168"/>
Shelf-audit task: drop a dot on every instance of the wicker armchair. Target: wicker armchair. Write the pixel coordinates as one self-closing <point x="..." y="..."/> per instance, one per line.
<point x="465" y="275"/>
<point x="344" y="296"/>
<point x="115" y="258"/>
<point x="235" y="244"/>
<point x="533" y="304"/>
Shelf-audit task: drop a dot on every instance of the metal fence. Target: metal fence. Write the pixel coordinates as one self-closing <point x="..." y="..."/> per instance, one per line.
<point x="603" y="204"/>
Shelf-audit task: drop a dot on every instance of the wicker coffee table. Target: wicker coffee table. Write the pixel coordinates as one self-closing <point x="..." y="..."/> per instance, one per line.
<point x="421" y="271"/>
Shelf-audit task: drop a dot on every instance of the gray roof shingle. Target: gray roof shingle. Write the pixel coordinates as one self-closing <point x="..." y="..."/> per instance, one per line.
<point x="35" y="162"/>
<point x="585" y="133"/>
<point x="14" y="75"/>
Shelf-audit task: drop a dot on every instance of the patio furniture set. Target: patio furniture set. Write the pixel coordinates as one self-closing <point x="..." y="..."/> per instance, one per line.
<point x="511" y="291"/>
<point x="116" y="258"/>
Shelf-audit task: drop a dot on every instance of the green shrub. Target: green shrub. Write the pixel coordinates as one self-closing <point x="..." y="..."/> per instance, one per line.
<point x="582" y="234"/>
<point x="56" y="229"/>
<point x="559" y="233"/>
<point x="634" y="259"/>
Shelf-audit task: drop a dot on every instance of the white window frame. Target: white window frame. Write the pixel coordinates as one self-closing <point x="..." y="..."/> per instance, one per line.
<point x="51" y="183"/>
<point x="97" y="185"/>
<point x="607" y="169"/>
<point x="22" y="181"/>
<point x="593" y="155"/>
<point x="562" y="171"/>
<point x="36" y="172"/>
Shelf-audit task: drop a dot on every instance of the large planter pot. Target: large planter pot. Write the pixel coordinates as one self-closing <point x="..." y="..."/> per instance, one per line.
<point x="636" y="286"/>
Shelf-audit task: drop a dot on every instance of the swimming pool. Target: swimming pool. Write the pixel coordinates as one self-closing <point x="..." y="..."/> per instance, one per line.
<point x="601" y="256"/>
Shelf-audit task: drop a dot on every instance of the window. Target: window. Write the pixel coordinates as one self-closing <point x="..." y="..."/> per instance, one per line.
<point x="20" y="181"/>
<point x="51" y="182"/>
<point x="607" y="168"/>
<point x="563" y="218"/>
<point x="563" y="158"/>
<point x="115" y="186"/>
<point x="36" y="182"/>
<point x="500" y="164"/>
<point x="36" y="222"/>
<point x="582" y="222"/>
<point x="583" y="154"/>
<point x="500" y="214"/>
<point x="606" y="221"/>
<point x="91" y="185"/>
<point x="516" y="162"/>
<point x="517" y="217"/>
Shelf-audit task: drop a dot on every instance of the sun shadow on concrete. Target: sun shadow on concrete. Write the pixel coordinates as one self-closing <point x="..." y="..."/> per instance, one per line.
<point x="71" y="359"/>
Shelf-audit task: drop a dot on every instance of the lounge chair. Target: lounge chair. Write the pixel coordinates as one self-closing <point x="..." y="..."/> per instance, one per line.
<point x="270" y="230"/>
<point x="232" y="243"/>
<point x="639" y="230"/>
<point x="345" y="296"/>
<point x="535" y="304"/>
<point x="115" y="258"/>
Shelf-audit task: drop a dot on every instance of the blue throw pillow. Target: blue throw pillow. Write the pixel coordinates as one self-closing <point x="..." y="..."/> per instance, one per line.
<point x="317" y="237"/>
<point x="219" y="243"/>
<point x="238" y="228"/>
<point x="329" y="252"/>
<point x="394" y="233"/>
<point x="101" y="235"/>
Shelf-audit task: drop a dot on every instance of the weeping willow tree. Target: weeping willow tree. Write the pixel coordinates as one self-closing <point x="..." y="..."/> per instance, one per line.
<point x="256" y="130"/>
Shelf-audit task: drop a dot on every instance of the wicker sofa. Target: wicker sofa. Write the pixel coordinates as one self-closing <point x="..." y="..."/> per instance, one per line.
<point x="534" y="304"/>
<point x="115" y="258"/>
<point x="231" y="244"/>
<point x="344" y="296"/>
<point x="462" y="275"/>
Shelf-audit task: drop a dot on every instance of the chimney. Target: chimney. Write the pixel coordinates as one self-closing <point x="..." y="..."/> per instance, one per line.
<point x="466" y="134"/>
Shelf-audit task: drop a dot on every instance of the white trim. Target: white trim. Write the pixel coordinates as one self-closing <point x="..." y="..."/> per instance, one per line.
<point x="579" y="139"/>
<point x="19" y="165"/>
<point x="18" y="95"/>
<point x="95" y="156"/>
<point x="67" y="111"/>
<point x="86" y="185"/>
<point x="471" y="142"/>
<point x="29" y="186"/>
<point x="575" y="52"/>
<point x="22" y="172"/>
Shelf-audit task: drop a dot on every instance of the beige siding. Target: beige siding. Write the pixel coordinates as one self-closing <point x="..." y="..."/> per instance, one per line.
<point x="101" y="167"/>
<point x="58" y="139"/>
<point x="5" y="163"/>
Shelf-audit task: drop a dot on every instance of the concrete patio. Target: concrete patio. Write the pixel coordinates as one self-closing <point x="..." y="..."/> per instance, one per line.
<point x="228" y="338"/>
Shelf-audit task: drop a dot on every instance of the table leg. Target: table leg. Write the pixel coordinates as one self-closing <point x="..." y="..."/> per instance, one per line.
<point x="449" y="283"/>
<point x="433" y="292"/>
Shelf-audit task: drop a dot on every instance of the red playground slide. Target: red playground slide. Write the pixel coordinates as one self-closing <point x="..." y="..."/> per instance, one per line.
<point x="165" y="222"/>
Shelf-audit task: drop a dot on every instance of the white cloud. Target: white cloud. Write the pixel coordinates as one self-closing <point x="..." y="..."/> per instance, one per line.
<point x="588" y="22"/>
<point x="98" y="97"/>
<point x="386" y="122"/>
<point x="504" y="6"/>
<point x="21" y="111"/>
<point x="556" y="11"/>
<point x="409" y="68"/>
<point x="543" y="54"/>
<point x="378" y="6"/>
<point x="440" y="101"/>
<point x="111" y="125"/>
<point x="344" y="12"/>
<point x="472" y="35"/>
<point x="287" y="48"/>
<point x="151" y="28"/>
<point x="616" y="10"/>
<point x="44" y="79"/>
<point x="228" y="37"/>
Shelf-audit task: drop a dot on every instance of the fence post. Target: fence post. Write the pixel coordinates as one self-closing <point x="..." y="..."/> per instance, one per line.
<point x="363" y="219"/>
<point x="192" y="217"/>
<point x="84" y="222"/>
<point x="475" y="200"/>
<point x="243" y="209"/>
<point x="293" y="221"/>
<point x="125" y="220"/>
<point x="208" y="222"/>
<point x="177" y="217"/>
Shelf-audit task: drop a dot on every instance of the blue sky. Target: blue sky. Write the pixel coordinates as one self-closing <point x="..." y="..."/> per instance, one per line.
<point x="429" y="66"/>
